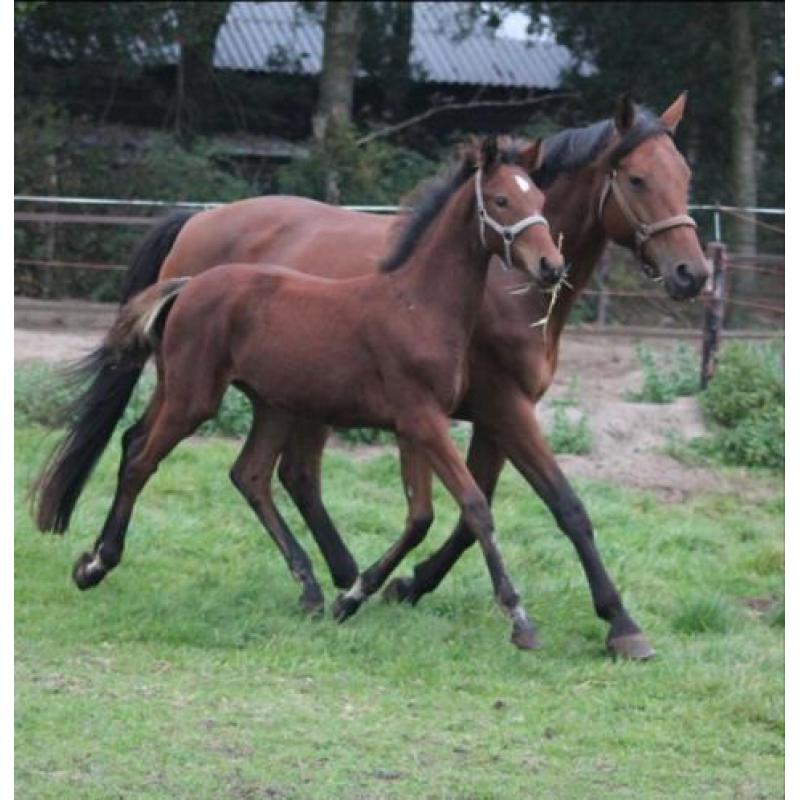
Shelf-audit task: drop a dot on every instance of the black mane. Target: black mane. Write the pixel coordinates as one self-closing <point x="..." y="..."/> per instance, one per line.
<point x="430" y="197"/>
<point x="573" y="148"/>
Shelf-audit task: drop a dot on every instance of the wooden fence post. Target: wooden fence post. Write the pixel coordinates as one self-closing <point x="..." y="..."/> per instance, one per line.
<point x="715" y="309"/>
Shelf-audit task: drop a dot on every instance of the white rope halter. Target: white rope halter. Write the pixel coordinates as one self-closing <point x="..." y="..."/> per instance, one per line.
<point x="508" y="233"/>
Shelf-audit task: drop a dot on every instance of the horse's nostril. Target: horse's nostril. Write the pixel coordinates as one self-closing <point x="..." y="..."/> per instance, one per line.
<point x="684" y="275"/>
<point x="546" y="269"/>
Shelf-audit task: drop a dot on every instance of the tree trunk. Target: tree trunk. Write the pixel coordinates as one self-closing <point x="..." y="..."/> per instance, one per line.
<point x="198" y="24"/>
<point x="342" y="32"/>
<point x="744" y="82"/>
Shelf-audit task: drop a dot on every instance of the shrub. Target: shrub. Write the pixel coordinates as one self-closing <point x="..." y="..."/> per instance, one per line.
<point x="376" y="173"/>
<point x="567" y="436"/>
<point x="745" y="402"/>
<point x="672" y="375"/>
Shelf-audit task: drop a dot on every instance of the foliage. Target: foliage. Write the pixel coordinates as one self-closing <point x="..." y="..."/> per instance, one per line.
<point x="666" y="376"/>
<point x="194" y="651"/>
<point x="376" y="173"/>
<point x="655" y="50"/>
<point x="745" y="401"/>
<point x="58" y="155"/>
<point x="569" y="430"/>
<point x="566" y="436"/>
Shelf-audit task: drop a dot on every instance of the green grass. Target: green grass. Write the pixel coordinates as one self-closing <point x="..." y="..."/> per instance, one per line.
<point x="190" y="673"/>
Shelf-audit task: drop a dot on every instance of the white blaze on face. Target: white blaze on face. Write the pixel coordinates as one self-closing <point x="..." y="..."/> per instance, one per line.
<point x="523" y="183"/>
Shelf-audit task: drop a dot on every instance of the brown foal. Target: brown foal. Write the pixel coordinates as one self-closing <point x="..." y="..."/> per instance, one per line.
<point x="385" y="350"/>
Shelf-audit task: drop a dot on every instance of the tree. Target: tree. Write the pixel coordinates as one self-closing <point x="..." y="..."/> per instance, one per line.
<point x="342" y="33"/>
<point x="714" y="50"/>
<point x="197" y="24"/>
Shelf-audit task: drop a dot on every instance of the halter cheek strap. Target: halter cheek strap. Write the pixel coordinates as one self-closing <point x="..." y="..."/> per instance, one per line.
<point x="507" y="232"/>
<point x="642" y="231"/>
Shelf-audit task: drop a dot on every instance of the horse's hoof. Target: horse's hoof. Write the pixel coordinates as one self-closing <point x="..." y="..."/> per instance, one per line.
<point x="313" y="606"/>
<point x="631" y="647"/>
<point x="399" y="590"/>
<point x="344" y="607"/>
<point x="84" y="575"/>
<point x="525" y="638"/>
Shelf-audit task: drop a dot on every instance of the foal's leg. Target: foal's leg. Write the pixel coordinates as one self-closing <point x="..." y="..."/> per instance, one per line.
<point x="428" y="429"/>
<point x="145" y="445"/>
<point x="252" y="476"/>
<point x="299" y="471"/>
<point x="521" y="439"/>
<point x="416" y="472"/>
<point x="485" y="461"/>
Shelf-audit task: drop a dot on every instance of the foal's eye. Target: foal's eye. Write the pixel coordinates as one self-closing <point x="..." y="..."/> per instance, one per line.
<point x="501" y="200"/>
<point x="636" y="182"/>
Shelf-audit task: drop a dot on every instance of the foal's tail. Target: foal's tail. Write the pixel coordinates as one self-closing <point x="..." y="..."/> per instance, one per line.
<point x="111" y="372"/>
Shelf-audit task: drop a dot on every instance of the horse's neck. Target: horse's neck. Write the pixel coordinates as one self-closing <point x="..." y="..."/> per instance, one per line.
<point x="574" y="202"/>
<point x="447" y="271"/>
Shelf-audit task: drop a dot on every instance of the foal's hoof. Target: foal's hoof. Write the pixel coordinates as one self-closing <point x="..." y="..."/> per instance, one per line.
<point x="344" y="607"/>
<point x="631" y="647"/>
<point x="87" y="572"/>
<point x="313" y="606"/>
<point x="525" y="638"/>
<point x="399" y="590"/>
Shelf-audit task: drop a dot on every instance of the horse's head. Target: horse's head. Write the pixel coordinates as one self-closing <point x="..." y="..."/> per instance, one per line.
<point x="509" y="207"/>
<point x="644" y="201"/>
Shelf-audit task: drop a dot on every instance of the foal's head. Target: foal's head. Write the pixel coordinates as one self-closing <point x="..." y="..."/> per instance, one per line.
<point x="644" y="200"/>
<point x="509" y="207"/>
<point x="503" y="204"/>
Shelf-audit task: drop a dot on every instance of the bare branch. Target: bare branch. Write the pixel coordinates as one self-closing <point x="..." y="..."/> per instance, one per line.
<point x="407" y="123"/>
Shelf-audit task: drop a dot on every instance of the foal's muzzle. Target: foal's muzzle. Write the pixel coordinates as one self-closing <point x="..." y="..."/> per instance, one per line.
<point x="549" y="273"/>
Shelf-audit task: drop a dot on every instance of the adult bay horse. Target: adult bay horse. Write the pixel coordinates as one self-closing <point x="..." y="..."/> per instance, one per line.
<point x="387" y="350"/>
<point x="620" y="179"/>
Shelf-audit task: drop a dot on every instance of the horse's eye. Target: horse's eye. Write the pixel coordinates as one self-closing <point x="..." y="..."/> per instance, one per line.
<point x="501" y="200"/>
<point x="636" y="182"/>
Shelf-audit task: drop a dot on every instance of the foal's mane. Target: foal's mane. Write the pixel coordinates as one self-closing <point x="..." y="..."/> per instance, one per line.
<point x="574" y="148"/>
<point x="428" y="199"/>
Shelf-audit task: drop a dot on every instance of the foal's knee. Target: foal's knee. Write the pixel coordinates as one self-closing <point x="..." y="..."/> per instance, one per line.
<point x="476" y="513"/>
<point x="418" y="526"/>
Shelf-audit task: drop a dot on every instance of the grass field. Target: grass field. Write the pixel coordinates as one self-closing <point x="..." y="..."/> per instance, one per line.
<point x="190" y="673"/>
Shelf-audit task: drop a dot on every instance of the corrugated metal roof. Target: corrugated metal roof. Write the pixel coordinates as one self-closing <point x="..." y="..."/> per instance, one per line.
<point x="284" y="37"/>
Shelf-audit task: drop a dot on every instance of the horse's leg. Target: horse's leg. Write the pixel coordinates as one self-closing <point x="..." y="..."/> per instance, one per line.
<point x="525" y="445"/>
<point x="416" y="472"/>
<point x="300" y="473"/>
<point x="145" y="445"/>
<point x="485" y="461"/>
<point x="521" y="439"/>
<point x="252" y="476"/>
<point x="428" y="430"/>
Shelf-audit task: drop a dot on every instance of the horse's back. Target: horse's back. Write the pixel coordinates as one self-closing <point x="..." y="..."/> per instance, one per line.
<point x="292" y="231"/>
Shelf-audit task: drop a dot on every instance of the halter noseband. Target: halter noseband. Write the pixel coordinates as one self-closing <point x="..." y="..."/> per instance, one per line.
<point x="642" y="231"/>
<point x="508" y="233"/>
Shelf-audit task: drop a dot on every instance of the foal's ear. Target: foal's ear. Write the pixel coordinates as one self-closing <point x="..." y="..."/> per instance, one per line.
<point x="625" y="114"/>
<point x="532" y="156"/>
<point x="674" y="114"/>
<point x="488" y="151"/>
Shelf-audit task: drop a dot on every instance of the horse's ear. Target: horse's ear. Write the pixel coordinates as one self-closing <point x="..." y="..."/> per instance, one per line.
<point x="489" y="151"/>
<point x="674" y="114"/>
<point x="625" y="114"/>
<point x="532" y="156"/>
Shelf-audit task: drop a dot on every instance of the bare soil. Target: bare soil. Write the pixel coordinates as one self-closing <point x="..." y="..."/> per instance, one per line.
<point x="628" y="439"/>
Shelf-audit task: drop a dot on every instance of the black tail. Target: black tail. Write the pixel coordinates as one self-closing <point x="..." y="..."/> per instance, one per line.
<point x="149" y="256"/>
<point x="95" y="413"/>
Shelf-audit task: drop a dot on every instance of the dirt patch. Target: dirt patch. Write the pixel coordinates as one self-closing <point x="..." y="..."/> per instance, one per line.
<point x="628" y="439"/>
